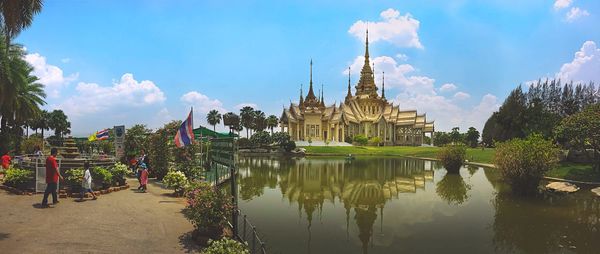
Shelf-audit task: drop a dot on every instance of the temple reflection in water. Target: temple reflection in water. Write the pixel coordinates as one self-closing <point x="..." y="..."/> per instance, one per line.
<point x="362" y="185"/>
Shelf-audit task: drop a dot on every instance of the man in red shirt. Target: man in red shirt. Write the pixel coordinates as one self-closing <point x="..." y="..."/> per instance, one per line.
<point x="52" y="175"/>
<point x="5" y="160"/>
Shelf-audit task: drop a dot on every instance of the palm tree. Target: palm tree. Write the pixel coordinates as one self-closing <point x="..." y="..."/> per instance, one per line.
<point x="259" y="121"/>
<point x="272" y="122"/>
<point x="17" y="15"/>
<point x="231" y="120"/>
<point x="213" y="118"/>
<point x="247" y="114"/>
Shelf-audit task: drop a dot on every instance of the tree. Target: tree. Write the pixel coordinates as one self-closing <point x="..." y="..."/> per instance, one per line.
<point x="259" y="122"/>
<point x="213" y="118"/>
<point x="59" y="122"/>
<point x="441" y="138"/>
<point x="455" y="136"/>
<point x="20" y="94"/>
<point x="40" y="122"/>
<point x="17" y="15"/>
<point x="247" y="114"/>
<point x="490" y="130"/>
<point x="231" y="120"/>
<point x="272" y="122"/>
<point x="582" y="130"/>
<point x="472" y="137"/>
<point x="136" y="139"/>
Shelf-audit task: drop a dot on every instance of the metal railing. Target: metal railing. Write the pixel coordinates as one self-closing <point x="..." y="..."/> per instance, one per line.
<point x="247" y="234"/>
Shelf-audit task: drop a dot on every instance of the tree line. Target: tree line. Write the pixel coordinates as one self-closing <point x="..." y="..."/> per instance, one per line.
<point x="470" y="138"/>
<point x="539" y="110"/>
<point x="249" y="118"/>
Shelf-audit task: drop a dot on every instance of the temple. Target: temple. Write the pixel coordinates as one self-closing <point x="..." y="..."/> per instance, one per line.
<point x="365" y="112"/>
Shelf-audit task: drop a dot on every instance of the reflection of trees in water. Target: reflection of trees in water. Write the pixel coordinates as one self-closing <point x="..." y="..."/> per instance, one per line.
<point x="540" y="224"/>
<point x="362" y="184"/>
<point x="453" y="189"/>
<point x="472" y="169"/>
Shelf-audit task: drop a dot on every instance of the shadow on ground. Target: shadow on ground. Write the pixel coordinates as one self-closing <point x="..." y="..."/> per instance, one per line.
<point x="187" y="242"/>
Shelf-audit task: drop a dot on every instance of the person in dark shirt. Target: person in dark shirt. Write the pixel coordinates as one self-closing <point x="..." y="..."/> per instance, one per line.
<point x="52" y="176"/>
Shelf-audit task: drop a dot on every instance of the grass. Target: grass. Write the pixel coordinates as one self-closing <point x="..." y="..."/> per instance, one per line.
<point x="575" y="171"/>
<point x="475" y="155"/>
<point x="566" y="170"/>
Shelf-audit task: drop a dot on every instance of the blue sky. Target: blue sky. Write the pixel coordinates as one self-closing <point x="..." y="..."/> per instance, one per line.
<point x="108" y="63"/>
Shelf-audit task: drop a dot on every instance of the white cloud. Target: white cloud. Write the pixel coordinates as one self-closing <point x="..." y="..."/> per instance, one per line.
<point x="65" y="60"/>
<point x="91" y="98"/>
<point x="576" y="13"/>
<point x="561" y="4"/>
<point x="402" y="57"/>
<point x="447" y="114"/>
<point x="585" y="66"/>
<point x="51" y="76"/>
<point x="394" y="28"/>
<point x="461" y="96"/>
<point x="396" y="75"/>
<point x="202" y="103"/>
<point x="448" y="87"/>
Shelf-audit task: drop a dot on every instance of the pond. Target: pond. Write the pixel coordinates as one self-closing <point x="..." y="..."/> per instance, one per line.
<point x="400" y="205"/>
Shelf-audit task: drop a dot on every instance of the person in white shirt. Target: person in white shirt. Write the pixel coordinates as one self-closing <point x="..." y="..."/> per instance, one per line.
<point x="86" y="182"/>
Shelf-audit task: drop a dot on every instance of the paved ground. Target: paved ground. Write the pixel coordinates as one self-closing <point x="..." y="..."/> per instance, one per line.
<point x="121" y="222"/>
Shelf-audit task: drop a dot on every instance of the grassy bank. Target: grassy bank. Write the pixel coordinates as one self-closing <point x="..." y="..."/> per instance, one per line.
<point x="475" y="155"/>
<point x="571" y="171"/>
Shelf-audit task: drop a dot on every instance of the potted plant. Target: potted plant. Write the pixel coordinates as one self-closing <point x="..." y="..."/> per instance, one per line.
<point x="176" y="180"/>
<point x="118" y="171"/>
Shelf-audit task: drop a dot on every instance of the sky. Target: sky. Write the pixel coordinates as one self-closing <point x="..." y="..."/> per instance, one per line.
<point x="107" y="63"/>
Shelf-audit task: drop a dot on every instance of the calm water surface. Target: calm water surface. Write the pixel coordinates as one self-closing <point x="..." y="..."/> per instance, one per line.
<point x="398" y="205"/>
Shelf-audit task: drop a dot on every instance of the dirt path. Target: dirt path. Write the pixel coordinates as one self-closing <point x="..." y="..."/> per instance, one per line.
<point x="121" y="222"/>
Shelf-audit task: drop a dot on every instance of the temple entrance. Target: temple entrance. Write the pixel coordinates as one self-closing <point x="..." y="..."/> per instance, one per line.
<point x="324" y="135"/>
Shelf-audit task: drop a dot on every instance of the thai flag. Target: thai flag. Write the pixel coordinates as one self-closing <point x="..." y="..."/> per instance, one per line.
<point x="185" y="134"/>
<point x="102" y="135"/>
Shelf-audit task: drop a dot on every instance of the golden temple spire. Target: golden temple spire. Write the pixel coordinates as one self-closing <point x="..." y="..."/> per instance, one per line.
<point x="366" y="83"/>
<point x="311" y="99"/>
<point x="322" y="96"/>
<point x="301" y="102"/>
<point x="383" y="85"/>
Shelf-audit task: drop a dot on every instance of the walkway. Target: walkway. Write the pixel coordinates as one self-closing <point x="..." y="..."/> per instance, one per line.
<point x="120" y="222"/>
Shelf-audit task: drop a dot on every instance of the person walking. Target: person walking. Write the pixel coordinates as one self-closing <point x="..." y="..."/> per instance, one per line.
<point x="144" y="177"/>
<point x="52" y="176"/>
<point x="86" y="183"/>
<point x="6" y="160"/>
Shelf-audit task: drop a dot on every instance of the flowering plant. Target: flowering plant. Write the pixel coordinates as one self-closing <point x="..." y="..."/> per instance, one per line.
<point x="207" y="207"/>
<point x="175" y="180"/>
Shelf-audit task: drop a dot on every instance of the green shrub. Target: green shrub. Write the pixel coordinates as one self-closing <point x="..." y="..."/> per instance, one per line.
<point x="284" y="140"/>
<point x="74" y="176"/>
<point x="225" y="246"/>
<point x="118" y="171"/>
<point x="523" y="162"/>
<point x="17" y="177"/>
<point x="452" y="157"/>
<point x="244" y="143"/>
<point x="102" y="176"/>
<point x="175" y="180"/>
<point x="348" y="139"/>
<point x="29" y="145"/>
<point x="360" y="140"/>
<point x="375" y="141"/>
<point x="207" y="207"/>
<point x="260" y="138"/>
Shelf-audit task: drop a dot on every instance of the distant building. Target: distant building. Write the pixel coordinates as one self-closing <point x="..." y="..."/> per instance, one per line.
<point x="366" y="113"/>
